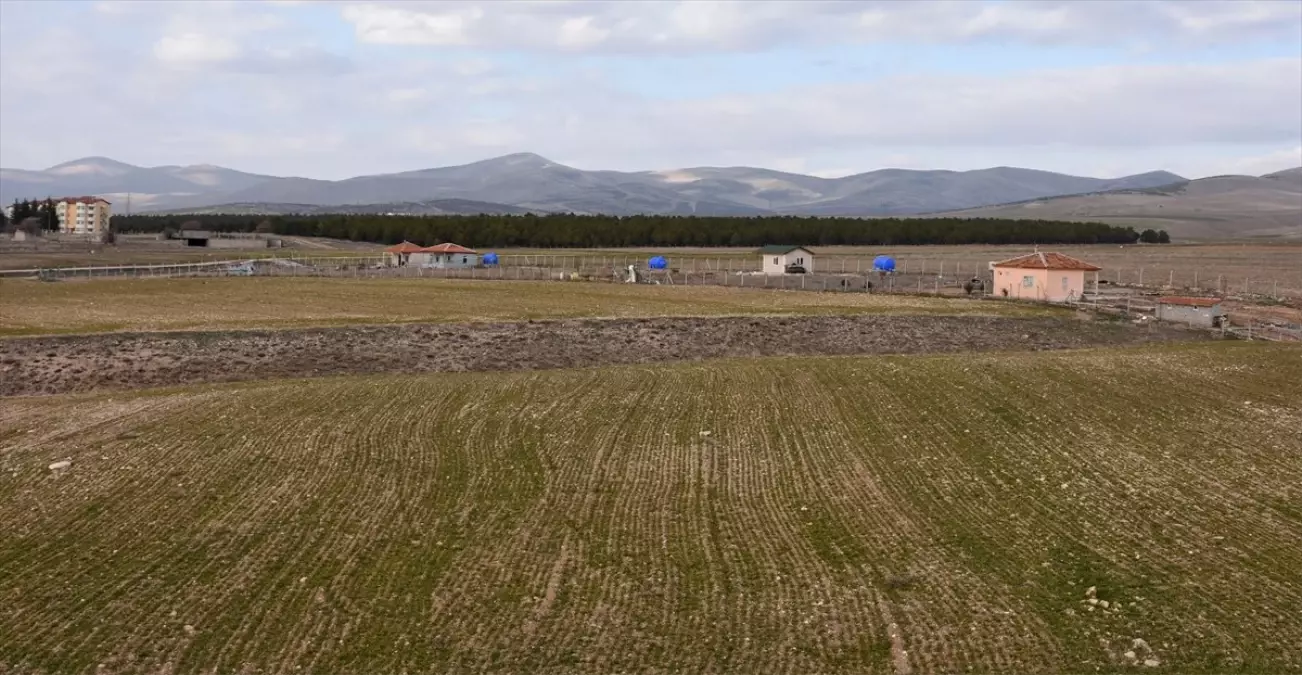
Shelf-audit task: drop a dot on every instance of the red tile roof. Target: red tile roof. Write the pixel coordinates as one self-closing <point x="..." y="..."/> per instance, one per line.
<point x="1189" y="302"/>
<point x="1048" y="261"/>
<point x="445" y="248"/>
<point x="404" y="247"/>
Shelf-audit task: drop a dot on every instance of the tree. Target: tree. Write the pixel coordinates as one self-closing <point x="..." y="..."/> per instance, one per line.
<point x="49" y="215"/>
<point x="1163" y="237"/>
<point x="1148" y="236"/>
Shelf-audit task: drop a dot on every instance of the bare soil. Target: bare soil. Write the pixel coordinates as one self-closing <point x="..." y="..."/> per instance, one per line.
<point x="64" y="364"/>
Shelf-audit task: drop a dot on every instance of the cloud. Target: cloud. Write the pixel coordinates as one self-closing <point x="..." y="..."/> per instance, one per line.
<point x="190" y="49"/>
<point x="739" y="25"/>
<point x="277" y="88"/>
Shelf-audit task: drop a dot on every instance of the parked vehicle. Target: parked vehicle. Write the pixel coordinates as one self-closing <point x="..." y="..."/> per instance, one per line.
<point x="795" y="269"/>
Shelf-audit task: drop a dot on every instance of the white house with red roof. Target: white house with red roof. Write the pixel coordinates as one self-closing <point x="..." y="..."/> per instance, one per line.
<point x="1049" y="277"/>
<point x="447" y="255"/>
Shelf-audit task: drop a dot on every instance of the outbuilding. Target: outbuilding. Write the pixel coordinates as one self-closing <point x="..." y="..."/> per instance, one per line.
<point x="445" y="256"/>
<point x="778" y="259"/>
<point x="1049" y="277"/>
<point x="1203" y="312"/>
<point x="399" y="254"/>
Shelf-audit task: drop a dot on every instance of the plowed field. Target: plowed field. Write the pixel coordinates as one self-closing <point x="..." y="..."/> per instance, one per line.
<point x="29" y="307"/>
<point x="1134" y="509"/>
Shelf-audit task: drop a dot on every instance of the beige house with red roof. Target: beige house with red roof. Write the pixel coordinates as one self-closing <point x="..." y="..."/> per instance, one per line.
<point x="444" y="256"/>
<point x="1049" y="277"/>
<point x="400" y="254"/>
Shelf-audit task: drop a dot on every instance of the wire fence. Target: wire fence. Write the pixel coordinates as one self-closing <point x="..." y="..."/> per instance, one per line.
<point x="839" y="273"/>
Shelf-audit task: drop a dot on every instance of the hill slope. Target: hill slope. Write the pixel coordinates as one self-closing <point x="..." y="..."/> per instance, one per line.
<point x="1216" y="207"/>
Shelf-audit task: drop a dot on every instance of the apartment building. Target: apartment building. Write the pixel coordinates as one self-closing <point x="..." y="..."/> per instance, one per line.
<point x="83" y="215"/>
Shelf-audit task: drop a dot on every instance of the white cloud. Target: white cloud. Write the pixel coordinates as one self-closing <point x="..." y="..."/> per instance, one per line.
<point x="188" y="49"/>
<point x="622" y="26"/>
<point x="271" y="99"/>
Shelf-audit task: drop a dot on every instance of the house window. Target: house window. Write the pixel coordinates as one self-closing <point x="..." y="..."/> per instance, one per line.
<point x="1028" y="281"/>
<point x="463" y="260"/>
<point x="1064" y="283"/>
<point x="775" y="260"/>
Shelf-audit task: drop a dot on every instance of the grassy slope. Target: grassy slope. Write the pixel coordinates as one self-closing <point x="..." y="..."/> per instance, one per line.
<point x="579" y="521"/>
<point x="30" y="307"/>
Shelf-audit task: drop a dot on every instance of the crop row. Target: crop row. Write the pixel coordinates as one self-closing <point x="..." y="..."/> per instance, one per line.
<point x="884" y="514"/>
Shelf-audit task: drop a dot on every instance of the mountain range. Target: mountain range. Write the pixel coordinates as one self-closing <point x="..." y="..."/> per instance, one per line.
<point x="527" y="182"/>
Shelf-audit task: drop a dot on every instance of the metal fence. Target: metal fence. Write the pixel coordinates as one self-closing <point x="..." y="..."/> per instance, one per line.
<point x="829" y="273"/>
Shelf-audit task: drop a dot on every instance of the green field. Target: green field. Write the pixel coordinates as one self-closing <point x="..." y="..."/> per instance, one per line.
<point x="29" y="307"/>
<point x="838" y="515"/>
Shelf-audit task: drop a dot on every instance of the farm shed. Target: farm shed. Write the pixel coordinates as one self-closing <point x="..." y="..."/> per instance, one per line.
<point x="398" y="255"/>
<point x="776" y="259"/>
<point x="1205" y="312"/>
<point x="444" y="255"/>
<point x="1051" y="277"/>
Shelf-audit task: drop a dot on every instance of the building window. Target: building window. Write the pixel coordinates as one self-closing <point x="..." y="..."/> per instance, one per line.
<point x="1028" y="281"/>
<point x="1064" y="283"/>
<point x="775" y="260"/>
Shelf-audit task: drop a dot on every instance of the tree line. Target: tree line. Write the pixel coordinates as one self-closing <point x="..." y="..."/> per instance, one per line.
<point x="44" y="212"/>
<point x="591" y="231"/>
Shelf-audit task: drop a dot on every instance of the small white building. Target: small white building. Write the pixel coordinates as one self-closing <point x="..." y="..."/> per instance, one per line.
<point x="1204" y="312"/>
<point x="444" y="256"/>
<point x="778" y="259"/>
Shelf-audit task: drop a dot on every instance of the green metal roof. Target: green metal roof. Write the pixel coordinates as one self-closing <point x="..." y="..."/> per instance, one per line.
<point x="779" y="249"/>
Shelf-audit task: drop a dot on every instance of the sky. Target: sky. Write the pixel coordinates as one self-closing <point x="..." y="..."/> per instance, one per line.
<point x="333" y="89"/>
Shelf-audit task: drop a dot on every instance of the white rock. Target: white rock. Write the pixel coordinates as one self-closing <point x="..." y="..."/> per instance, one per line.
<point x="1089" y="592"/>
<point x="705" y="433"/>
<point x="1130" y="655"/>
<point x="1140" y="643"/>
<point x="189" y="630"/>
<point x="60" y="465"/>
<point x="1152" y="663"/>
<point x="1103" y="603"/>
<point x="1094" y="601"/>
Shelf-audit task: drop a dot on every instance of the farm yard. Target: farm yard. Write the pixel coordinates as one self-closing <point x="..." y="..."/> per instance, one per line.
<point x="1273" y="269"/>
<point x="1113" y="510"/>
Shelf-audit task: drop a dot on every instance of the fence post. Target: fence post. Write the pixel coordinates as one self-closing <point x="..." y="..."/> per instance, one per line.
<point x="1141" y="276"/>
<point x="1170" y="280"/>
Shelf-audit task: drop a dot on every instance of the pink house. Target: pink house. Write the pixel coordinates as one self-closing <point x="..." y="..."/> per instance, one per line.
<point x="1049" y="277"/>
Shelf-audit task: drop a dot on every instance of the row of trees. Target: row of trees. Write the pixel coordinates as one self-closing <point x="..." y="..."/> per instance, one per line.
<point x="584" y="231"/>
<point x="45" y="213"/>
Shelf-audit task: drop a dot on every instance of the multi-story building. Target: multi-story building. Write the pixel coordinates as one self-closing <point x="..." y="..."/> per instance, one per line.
<point x="83" y="215"/>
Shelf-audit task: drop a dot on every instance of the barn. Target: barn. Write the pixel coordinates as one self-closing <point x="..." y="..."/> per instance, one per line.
<point x="779" y="259"/>
<point x="399" y="254"/>
<point x="1049" y="277"/>
<point x="447" y="255"/>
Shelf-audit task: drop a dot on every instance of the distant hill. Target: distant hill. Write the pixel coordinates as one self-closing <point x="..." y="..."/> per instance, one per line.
<point x="528" y="182"/>
<point x="1215" y="207"/>
<point x="431" y="207"/>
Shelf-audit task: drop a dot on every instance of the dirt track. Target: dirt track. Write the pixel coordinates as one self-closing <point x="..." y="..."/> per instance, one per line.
<point x="51" y="365"/>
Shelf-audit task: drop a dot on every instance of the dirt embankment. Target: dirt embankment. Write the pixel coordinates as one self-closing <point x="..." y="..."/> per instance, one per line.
<point x="50" y="365"/>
